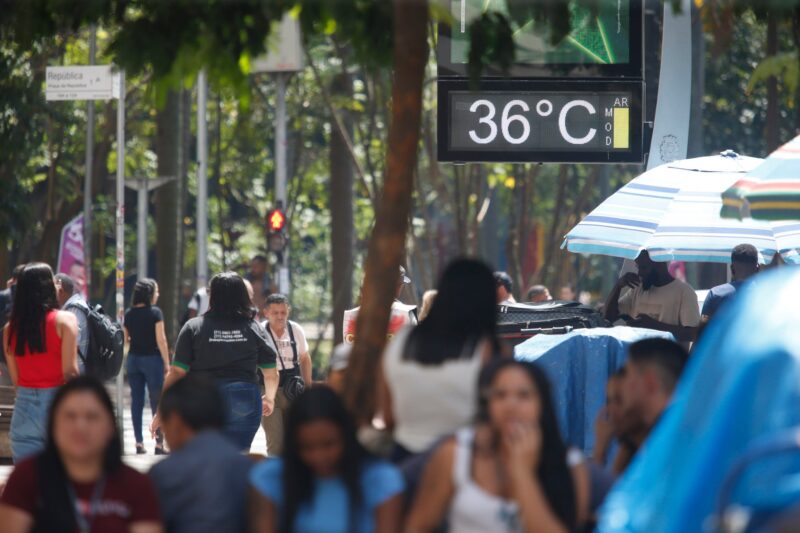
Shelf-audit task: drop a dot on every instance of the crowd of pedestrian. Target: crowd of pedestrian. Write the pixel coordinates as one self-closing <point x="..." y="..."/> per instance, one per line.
<point x="474" y="442"/>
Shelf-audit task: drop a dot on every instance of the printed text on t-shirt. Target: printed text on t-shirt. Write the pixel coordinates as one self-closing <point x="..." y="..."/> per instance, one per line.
<point x="232" y="335"/>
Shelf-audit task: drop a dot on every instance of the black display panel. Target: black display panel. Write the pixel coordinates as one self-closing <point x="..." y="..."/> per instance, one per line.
<point x="540" y="121"/>
<point x="605" y="42"/>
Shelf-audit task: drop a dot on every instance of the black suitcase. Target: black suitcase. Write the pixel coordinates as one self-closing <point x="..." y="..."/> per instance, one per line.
<point x="521" y="321"/>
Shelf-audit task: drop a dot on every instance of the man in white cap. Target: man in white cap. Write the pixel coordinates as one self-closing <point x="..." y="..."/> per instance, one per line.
<point x="402" y="314"/>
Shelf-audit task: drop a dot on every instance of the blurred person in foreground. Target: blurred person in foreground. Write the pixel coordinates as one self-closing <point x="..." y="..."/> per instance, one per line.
<point x="229" y="346"/>
<point x="652" y="372"/>
<point x="740" y="389"/>
<point x="430" y="372"/>
<point x="539" y="293"/>
<point x="42" y="344"/>
<point x="653" y="299"/>
<point x="79" y="482"/>
<point x="202" y="485"/>
<point x="511" y="471"/>
<point x="744" y="265"/>
<point x="612" y="426"/>
<point x="325" y="480"/>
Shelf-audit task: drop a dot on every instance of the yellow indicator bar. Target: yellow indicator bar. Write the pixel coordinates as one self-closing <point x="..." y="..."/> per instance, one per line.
<point x="621" y="127"/>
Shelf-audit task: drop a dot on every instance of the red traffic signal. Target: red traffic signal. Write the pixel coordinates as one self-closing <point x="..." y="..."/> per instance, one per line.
<point x="276" y="220"/>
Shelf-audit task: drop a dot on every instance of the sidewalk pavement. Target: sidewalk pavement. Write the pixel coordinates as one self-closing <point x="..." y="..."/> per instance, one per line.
<point x="143" y="463"/>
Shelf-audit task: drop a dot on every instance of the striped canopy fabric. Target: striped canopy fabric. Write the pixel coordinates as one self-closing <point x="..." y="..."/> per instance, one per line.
<point x="673" y="211"/>
<point x="771" y="191"/>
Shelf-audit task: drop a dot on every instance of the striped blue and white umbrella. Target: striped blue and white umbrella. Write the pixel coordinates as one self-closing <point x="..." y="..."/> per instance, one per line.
<point x="673" y="212"/>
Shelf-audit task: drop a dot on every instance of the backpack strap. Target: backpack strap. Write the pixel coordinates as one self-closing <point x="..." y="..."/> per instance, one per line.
<point x="86" y="310"/>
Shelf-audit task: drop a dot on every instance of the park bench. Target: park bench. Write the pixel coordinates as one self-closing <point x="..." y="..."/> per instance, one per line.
<point x="7" y="399"/>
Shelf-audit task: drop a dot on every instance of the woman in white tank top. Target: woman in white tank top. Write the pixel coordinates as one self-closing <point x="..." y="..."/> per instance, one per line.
<point x="510" y="472"/>
<point x="430" y="385"/>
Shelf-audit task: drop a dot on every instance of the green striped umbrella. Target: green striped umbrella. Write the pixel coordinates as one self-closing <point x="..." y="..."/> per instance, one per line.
<point x="771" y="191"/>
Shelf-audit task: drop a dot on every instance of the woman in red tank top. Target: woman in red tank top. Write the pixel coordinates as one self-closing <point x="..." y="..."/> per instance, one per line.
<point x="41" y="352"/>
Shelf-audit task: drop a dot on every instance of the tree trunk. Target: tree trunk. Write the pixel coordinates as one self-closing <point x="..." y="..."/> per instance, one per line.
<point x="168" y="213"/>
<point x="342" y="224"/>
<point x="388" y="240"/>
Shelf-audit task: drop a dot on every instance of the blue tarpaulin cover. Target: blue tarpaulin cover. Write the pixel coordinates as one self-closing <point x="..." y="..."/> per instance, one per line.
<point x="579" y="364"/>
<point x="741" y="384"/>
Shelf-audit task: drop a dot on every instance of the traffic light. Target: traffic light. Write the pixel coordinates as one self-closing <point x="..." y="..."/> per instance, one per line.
<point x="276" y="220"/>
<point x="276" y="226"/>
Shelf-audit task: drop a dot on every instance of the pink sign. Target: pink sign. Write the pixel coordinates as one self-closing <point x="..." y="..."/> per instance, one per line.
<point x="71" y="259"/>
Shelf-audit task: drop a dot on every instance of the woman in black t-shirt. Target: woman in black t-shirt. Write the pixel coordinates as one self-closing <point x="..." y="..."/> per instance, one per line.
<point x="227" y="344"/>
<point x="148" y="356"/>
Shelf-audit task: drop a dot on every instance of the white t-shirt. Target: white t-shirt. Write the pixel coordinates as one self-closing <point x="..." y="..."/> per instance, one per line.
<point x="284" y="348"/>
<point x="674" y="303"/>
<point x="199" y="301"/>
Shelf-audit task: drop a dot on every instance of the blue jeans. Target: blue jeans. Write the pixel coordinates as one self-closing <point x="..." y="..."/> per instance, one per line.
<point x="29" y="421"/>
<point x="144" y="370"/>
<point x="242" y="412"/>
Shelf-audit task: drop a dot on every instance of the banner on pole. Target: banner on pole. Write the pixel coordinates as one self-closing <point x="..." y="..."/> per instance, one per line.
<point x="71" y="256"/>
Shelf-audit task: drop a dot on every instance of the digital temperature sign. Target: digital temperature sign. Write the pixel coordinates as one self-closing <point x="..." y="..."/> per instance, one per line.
<point x="540" y="121"/>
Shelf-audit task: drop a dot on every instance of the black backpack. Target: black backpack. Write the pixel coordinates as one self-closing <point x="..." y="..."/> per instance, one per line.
<point x="106" y="344"/>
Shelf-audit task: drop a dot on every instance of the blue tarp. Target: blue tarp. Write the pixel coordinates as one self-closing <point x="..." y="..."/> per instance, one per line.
<point x="579" y="364"/>
<point x="741" y="384"/>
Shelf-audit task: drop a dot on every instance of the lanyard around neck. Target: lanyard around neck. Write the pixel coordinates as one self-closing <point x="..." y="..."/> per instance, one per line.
<point x="84" y="522"/>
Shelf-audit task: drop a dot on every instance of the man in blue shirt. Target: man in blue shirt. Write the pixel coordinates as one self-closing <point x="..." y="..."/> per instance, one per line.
<point x="202" y="485"/>
<point x="744" y="264"/>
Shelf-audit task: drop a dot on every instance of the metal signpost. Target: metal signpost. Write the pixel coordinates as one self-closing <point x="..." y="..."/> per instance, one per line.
<point x="284" y="58"/>
<point x="202" y="180"/>
<point x="100" y="83"/>
<point x="143" y="185"/>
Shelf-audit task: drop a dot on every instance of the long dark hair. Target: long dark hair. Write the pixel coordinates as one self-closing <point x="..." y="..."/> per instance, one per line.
<point x="228" y="297"/>
<point x="553" y="472"/>
<point x="55" y="512"/>
<point x="34" y="297"/>
<point x="463" y="313"/>
<point x="143" y="292"/>
<point x="319" y="403"/>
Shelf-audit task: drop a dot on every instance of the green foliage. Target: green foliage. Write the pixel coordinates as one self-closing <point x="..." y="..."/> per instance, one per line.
<point x="784" y="66"/>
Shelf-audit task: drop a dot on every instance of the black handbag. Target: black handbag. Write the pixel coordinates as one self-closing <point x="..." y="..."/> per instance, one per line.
<point x="291" y="381"/>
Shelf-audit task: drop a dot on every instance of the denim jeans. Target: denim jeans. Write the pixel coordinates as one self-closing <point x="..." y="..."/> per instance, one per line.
<point x="29" y="421"/>
<point x="242" y="412"/>
<point x="144" y="370"/>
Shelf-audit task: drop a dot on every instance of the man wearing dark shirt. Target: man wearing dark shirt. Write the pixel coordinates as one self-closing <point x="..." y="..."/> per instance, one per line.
<point x="744" y="264"/>
<point x="202" y="485"/>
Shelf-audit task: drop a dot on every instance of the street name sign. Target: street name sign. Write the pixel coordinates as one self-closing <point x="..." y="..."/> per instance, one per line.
<point x="79" y="83"/>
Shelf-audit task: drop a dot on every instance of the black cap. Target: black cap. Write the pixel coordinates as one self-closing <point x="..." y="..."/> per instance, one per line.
<point x="745" y="253"/>
<point x="501" y="278"/>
